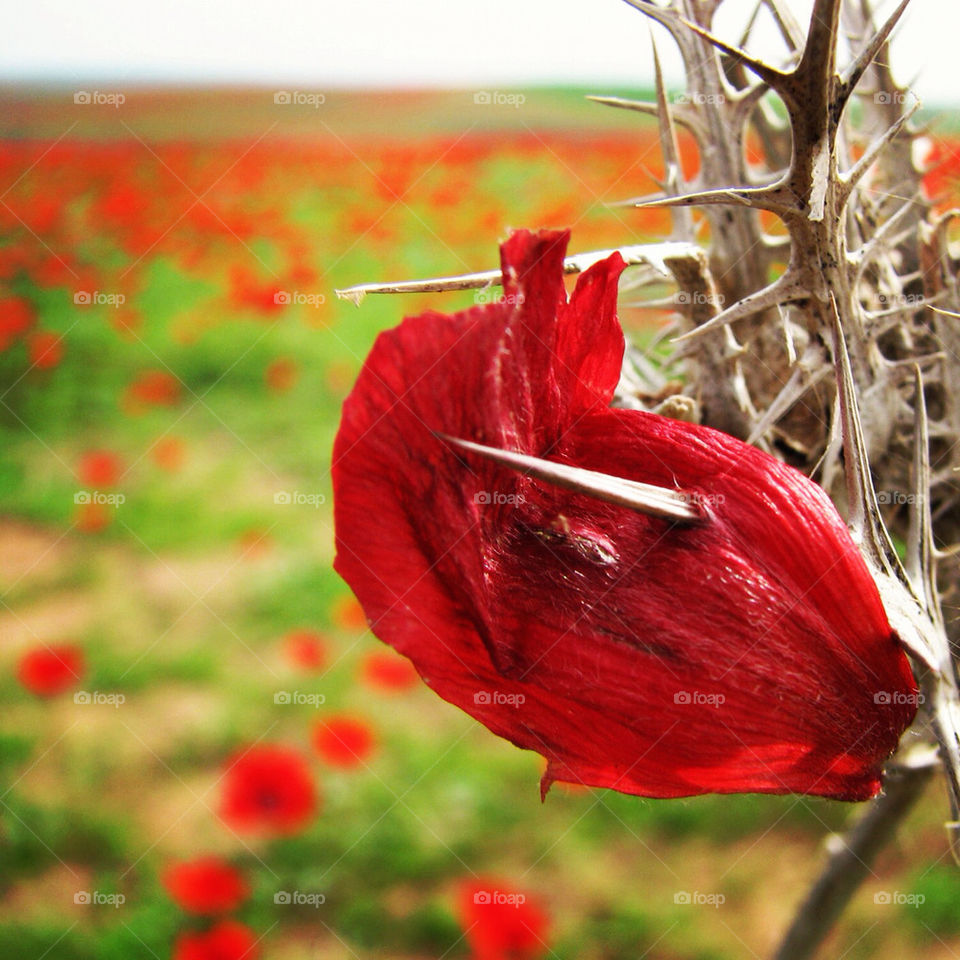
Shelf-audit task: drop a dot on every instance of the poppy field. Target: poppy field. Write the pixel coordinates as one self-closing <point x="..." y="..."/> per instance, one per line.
<point x="204" y="752"/>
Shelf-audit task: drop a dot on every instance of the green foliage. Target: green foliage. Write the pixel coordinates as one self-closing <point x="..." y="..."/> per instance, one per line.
<point x="36" y="838"/>
<point x="938" y="915"/>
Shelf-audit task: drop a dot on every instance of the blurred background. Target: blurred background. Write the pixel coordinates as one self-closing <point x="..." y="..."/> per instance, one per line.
<point x="204" y="754"/>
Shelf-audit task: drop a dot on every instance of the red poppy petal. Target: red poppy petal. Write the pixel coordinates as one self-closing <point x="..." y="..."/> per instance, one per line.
<point x="747" y="653"/>
<point x="590" y="341"/>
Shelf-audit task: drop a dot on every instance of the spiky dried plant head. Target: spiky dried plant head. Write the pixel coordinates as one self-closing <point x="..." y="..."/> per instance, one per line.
<point x="832" y="343"/>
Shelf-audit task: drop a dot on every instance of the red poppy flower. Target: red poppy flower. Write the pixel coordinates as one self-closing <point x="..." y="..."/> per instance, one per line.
<point x="45" y="350"/>
<point x="153" y="388"/>
<point x="168" y="453"/>
<point x="47" y="671"/>
<point x="347" y="614"/>
<point x="228" y="940"/>
<point x="343" y="741"/>
<point x="127" y="322"/>
<point x="747" y="652"/>
<point x="268" y="789"/>
<point x="386" y="671"/>
<point x="52" y="271"/>
<point x="306" y="649"/>
<point x="91" y="517"/>
<point x="281" y="375"/>
<point x="501" y="923"/>
<point x="99" y="468"/>
<point x="248" y="291"/>
<point x="338" y="377"/>
<point x="206" y="885"/>
<point x="254" y="543"/>
<point x="16" y="317"/>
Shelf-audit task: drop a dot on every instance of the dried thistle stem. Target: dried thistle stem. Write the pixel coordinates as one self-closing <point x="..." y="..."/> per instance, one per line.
<point x="853" y="855"/>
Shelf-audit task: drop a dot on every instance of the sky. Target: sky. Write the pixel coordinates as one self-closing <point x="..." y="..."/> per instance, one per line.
<point x="318" y="44"/>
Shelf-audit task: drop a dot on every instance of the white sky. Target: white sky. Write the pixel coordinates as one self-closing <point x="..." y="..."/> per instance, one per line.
<point x="407" y="43"/>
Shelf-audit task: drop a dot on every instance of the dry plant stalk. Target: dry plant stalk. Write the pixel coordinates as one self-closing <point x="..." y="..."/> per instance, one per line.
<point x="833" y="344"/>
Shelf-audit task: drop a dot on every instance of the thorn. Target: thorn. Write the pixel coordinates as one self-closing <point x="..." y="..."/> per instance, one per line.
<point x="648" y="199"/>
<point x="865" y="520"/>
<point x="682" y="219"/>
<point x="668" y="135"/>
<point x="789" y="28"/>
<point x="853" y="73"/>
<point x="467" y="281"/>
<point x="663" y="15"/>
<point x="768" y="198"/>
<point x="924" y="360"/>
<point x="685" y="118"/>
<point x="921" y="562"/>
<point x="788" y="339"/>
<point x="850" y="179"/>
<point x="748" y="98"/>
<point x="777" y="79"/>
<point x="799" y="383"/>
<point x="750" y="24"/>
<point x="651" y="255"/>
<point x="642" y="497"/>
<point x="783" y="290"/>
<point x="881" y="238"/>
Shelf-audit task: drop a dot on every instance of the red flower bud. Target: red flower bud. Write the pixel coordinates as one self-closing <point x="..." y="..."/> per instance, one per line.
<point x="747" y="651"/>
